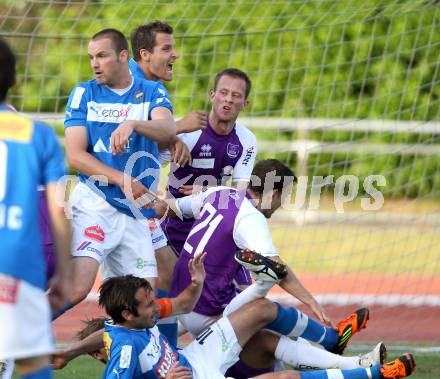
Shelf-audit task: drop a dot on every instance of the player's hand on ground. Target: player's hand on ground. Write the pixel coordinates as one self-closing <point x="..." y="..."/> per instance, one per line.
<point x="194" y="120"/>
<point x="119" y="137"/>
<point x="60" y="287"/>
<point x="60" y="359"/>
<point x="197" y="269"/>
<point x="179" y="372"/>
<point x="180" y="153"/>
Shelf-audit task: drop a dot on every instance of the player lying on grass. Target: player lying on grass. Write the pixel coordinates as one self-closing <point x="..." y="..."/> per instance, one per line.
<point x="136" y="349"/>
<point x="255" y="350"/>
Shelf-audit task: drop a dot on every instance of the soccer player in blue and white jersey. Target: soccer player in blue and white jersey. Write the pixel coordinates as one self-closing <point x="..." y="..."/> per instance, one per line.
<point x="113" y="125"/>
<point x="154" y="54"/>
<point x="136" y="349"/>
<point x="29" y="156"/>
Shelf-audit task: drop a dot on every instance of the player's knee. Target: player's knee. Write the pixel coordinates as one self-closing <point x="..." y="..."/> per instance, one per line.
<point x="79" y="294"/>
<point x="264" y="309"/>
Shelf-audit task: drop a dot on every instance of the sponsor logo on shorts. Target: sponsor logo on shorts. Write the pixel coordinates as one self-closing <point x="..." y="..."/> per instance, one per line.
<point x="142" y="263"/>
<point x="86" y="246"/>
<point x="157" y="239"/>
<point x="95" y="233"/>
<point x="232" y="150"/>
<point x="151" y="223"/>
<point x="8" y="289"/>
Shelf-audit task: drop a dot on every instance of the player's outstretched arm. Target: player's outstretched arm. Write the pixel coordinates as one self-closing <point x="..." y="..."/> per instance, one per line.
<point x="188" y="298"/>
<point x="292" y="285"/>
<point x="91" y="343"/>
<point x="195" y="120"/>
<point x="60" y="284"/>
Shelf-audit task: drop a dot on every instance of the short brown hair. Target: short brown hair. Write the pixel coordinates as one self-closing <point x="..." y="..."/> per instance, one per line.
<point x="144" y="37"/>
<point x="266" y="166"/>
<point x="7" y="72"/>
<point x="118" y="39"/>
<point x="118" y="294"/>
<point x="235" y="73"/>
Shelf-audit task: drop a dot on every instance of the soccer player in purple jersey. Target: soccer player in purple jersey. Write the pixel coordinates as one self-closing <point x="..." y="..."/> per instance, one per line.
<point x="228" y="220"/>
<point x="225" y="148"/>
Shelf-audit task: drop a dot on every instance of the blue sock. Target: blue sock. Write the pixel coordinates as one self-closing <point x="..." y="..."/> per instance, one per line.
<point x="43" y="373"/>
<point x="291" y="322"/>
<point x="61" y="311"/>
<point x="168" y="329"/>
<point x="357" y="373"/>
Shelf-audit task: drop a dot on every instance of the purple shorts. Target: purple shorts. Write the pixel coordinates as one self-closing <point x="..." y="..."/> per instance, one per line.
<point x="48" y="245"/>
<point x="241" y="370"/>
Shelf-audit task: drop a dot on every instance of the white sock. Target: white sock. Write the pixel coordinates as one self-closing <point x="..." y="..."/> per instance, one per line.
<point x="7" y="374"/>
<point x="255" y="291"/>
<point x="306" y="356"/>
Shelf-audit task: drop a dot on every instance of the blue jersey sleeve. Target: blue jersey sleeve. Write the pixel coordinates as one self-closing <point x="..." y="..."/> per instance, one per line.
<point x="52" y="160"/>
<point x="160" y="98"/>
<point x="122" y="363"/>
<point x="76" y="110"/>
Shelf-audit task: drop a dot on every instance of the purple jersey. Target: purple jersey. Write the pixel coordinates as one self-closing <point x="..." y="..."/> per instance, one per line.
<point x="213" y="233"/>
<point x="215" y="158"/>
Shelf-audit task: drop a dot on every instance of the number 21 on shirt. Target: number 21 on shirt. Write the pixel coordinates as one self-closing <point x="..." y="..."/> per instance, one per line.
<point x="209" y="224"/>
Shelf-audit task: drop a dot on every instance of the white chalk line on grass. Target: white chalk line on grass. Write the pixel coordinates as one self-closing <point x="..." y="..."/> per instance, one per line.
<point x="341" y="299"/>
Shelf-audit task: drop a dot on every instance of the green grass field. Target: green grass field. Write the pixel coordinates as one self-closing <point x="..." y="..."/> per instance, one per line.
<point x="428" y="367"/>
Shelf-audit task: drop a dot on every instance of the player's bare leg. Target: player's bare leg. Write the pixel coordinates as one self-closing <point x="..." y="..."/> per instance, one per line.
<point x="30" y="365"/>
<point x="84" y="271"/>
<point x="166" y="259"/>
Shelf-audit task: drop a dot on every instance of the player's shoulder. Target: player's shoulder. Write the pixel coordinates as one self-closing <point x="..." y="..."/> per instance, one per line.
<point x="243" y="132"/>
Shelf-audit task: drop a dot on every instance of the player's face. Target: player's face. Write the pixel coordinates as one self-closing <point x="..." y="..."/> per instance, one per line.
<point x="106" y="64"/>
<point x="147" y="309"/>
<point x="228" y="99"/>
<point x="163" y="57"/>
<point x="274" y="200"/>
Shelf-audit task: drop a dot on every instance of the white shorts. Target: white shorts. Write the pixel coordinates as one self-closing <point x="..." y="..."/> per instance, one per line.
<point x="120" y="242"/>
<point x="213" y="351"/>
<point x="195" y="322"/>
<point x="25" y="318"/>
<point x="157" y="235"/>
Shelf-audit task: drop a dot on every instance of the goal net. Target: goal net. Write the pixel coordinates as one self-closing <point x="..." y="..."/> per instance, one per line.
<point x="346" y="92"/>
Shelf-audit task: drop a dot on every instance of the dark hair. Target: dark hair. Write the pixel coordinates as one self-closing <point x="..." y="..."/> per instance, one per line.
<point x="144" y="37"/>
<point x="91" y="326"/>
<point x="7" y="70"/>
<point x="266" y="166"/>
<point x="234" y="73"/>
<point x="118" y="294"/>
<point x="118" y="39"/>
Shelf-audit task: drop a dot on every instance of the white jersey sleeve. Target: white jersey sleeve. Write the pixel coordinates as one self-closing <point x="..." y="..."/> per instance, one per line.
<point x="251" y="231"/>
<point x="191" y="206"/>
<point x="243" y="168"/>
<point x="190" y="139"/>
